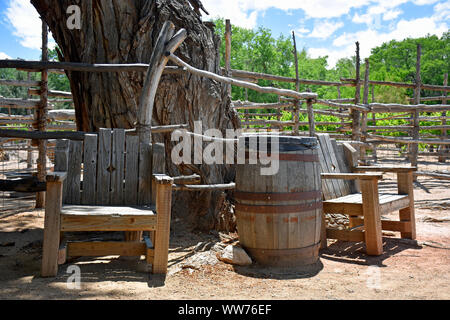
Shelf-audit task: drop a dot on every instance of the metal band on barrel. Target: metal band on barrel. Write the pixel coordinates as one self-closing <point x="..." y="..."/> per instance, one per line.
<point x="277" y="209"/>
<point x="283" y="156"/>
<point x="291" y="196"/>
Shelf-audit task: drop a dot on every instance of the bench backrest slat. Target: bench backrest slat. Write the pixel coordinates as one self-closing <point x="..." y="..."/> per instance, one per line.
<point x="334" y="159"/>
<point x="108" y="168"/>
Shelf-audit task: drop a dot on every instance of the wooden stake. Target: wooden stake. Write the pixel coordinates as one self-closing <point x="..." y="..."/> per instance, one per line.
<point x="414" y="149"/>
<point x="297" y="88"/>
<point x="356" y="114"/>
<point x="41" y="119"/>
<point x="365" y="114"/>
<point x="228" y="35"/>
<point x="444" y="136"/>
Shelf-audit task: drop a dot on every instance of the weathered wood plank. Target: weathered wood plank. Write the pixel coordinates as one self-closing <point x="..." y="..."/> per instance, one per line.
<point x="90" y="170"/>
<point x="92" y="222"/>
<point x="345" y="235"/>
<point x="104" y="167"/>
<point x="131" y="170"/>
<point x="99" y="249"/>
<point x="118" y="164"/>
<point x="52" y="224"/>
<point x="372" y="217"/>
<point x="73" y="183"/>
<point x="163" y="209"/>
<point x="406" y="187"/>
<point x="145" y="174"/>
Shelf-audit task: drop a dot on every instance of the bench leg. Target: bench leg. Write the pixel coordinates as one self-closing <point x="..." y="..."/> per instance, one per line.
<point x="323" y="233"/>
<point x="162" y="234"/>
<point x="405" y="186"/>
<point x="372" y="217"/>
<point x="52" y="227"/>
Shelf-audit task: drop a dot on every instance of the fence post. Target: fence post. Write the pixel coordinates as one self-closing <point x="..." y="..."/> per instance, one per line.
<point x="365" y="114"/>
<point x="297" y="88"/>
<point x="228" y="52"/>
<point x="356" y="115"/>
<point x="444" y="136"/>
<point x="41" y="119"/>
<point x="414" y="151"/>
<point x="374" y="119"/>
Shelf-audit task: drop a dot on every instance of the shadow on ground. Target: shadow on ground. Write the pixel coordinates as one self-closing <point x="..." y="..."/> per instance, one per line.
<point x="354" y="252"/>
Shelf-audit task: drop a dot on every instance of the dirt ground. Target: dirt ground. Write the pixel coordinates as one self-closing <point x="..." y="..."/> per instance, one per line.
<point x="407" y="269"/>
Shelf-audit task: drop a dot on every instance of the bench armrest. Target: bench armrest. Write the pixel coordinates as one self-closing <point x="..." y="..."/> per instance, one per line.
<point x="56" y="177"/>
<point x="162" y="179"/>
<point x="352" y="176"/>
<point x="396" y="169"/>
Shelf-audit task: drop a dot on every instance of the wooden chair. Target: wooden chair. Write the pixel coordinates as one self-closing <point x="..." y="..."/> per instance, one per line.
<point x="108" y="187"/>
<point x="348" y="189"/>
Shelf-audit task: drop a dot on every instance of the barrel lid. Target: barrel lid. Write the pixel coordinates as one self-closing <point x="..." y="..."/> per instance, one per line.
<point x="285" y="143"/>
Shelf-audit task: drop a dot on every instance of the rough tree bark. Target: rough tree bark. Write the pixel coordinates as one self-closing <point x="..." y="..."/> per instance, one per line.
<point x="117" y="31"/>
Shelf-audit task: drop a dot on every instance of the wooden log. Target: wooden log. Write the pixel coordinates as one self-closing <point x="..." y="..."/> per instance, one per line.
<point x="19" y="103"/>
<point x="61" y="67"/>
<point x="425" y="99"/>
<point x="26" y="185"/>
<point x="170" y="128"/>
<point x="409" y="141"/>
<point x="211" y="187"/>
<point x="284" y="92"/>
<point x="343" y="106"/>
<point x="438" y="176"/>
<point x="263" y="76"/>
<point x="257" y="106"/>
<point x="37" y="135"/>
<point x="165" y="44"/>
<point x="399" y="85"/>
<point x="20" y="83"/>
<point x="397" y="108"/>
<point x="192" y="179"/>
<point x="51" y="93"/>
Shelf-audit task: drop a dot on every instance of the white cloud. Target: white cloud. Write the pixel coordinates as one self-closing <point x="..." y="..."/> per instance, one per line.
<point x="26" y="24"/>
<point x="333" y="54"/>
<point x="392" y="14"/>
<point x="324" y="29"/>
<point x="442" y="11"/>
<point x="4" y="56"/>
<point x="424" y="2"/>
<point x="303" y="31"/>
<point x="344" y="45"/>
<point x="371" y="38"/>
<point x="244" y="13"/>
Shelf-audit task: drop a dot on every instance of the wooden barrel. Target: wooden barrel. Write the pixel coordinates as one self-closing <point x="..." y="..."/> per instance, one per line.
<point x="279" y="216"/>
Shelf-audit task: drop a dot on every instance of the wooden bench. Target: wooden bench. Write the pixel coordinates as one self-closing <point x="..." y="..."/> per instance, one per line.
<point x="112" y="183"/>
<point x="352" y="190"/>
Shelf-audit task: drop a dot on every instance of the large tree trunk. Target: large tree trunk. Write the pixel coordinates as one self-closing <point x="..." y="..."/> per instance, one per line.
<point x="118" y="31"/>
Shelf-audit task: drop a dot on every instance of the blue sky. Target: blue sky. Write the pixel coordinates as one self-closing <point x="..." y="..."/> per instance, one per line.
<point x="323" y="27"/>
